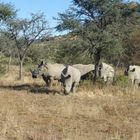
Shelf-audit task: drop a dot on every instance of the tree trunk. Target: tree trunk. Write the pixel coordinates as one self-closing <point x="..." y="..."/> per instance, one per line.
<point x="21" y="76"/>
<point x="9" y="62"/>
<point x="97" y="61"/>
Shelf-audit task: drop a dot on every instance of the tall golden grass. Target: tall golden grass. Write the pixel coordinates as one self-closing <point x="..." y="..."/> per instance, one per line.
<point x="92" y="113"/>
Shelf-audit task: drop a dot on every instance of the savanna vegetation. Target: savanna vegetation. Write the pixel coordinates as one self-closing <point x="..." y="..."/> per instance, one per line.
<point x="97" y="31"/>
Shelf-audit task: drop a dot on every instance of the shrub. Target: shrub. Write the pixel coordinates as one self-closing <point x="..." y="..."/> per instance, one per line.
<point x="122" y="81"/>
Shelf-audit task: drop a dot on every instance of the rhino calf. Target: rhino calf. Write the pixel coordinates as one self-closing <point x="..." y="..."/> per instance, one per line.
<point x="106" y="72"/>
<point x="70" y="78"/>
<point x="133" y="72"/>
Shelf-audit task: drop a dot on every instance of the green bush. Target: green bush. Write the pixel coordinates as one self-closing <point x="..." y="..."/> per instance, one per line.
<point x="3" y="61"/>
<point x="2" y="69"/>
<point x="122" y="81"/>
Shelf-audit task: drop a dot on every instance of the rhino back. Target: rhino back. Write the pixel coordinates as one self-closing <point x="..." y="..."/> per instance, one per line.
<point x="84" y="69"/>
<point x="55" y="70"/>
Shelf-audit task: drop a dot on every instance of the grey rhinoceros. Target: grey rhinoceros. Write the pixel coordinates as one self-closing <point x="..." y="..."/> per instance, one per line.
<point x="85" y="69"/>
<point x="133" y="72"/>
<point x="70" y="77"/>
<point x="106" y="72"/>
<point x="48" y="71"/>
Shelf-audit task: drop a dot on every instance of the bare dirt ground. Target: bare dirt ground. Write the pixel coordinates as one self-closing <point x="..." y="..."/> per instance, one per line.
<point x="28" y="113"/>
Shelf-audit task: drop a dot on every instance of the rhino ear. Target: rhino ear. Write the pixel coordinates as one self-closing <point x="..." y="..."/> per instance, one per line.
<point x="42" y="62"/>
<point x="100" y="66"/>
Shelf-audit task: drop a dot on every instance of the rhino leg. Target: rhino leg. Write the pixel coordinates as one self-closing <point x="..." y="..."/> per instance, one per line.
<point x="74" y="87"/>
<point x="51" y="82"/>
<point x="105" y="78"/>
<point x="136" y="84"/>
<point x="48" y="82"/>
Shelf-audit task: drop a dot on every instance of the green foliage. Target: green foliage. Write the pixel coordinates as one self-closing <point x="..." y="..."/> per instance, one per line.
<point x="71" y="52"/>
<point x="132" y="48"/>
<point x="94" y="22"/>
<point x="7" y="45"/>
<point x="25" y="32"/>
<point x="3" y="62"/>
<point x="99" y="30"/>
<point x="102" y="25"/>
<point x="122" y="81"/>
<point x="2" y="69"/>
<point x="46" y="50"/>
<point x="6" y="11"/>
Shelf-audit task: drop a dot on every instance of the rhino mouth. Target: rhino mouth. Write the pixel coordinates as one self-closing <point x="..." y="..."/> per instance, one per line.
<point x="34" y="76"/>
<point x="66" y="93"/>
<point x="35" y="73"/>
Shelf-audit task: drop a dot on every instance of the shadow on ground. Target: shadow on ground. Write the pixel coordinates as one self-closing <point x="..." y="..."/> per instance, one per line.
<point x="32" y="88"/>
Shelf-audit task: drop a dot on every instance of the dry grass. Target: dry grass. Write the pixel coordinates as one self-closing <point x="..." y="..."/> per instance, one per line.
<point x="92" y="113"/>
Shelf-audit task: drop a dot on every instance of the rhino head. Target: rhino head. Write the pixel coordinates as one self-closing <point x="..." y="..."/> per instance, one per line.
<point x="34" y="73"/>
<point x="40" y="70"/>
